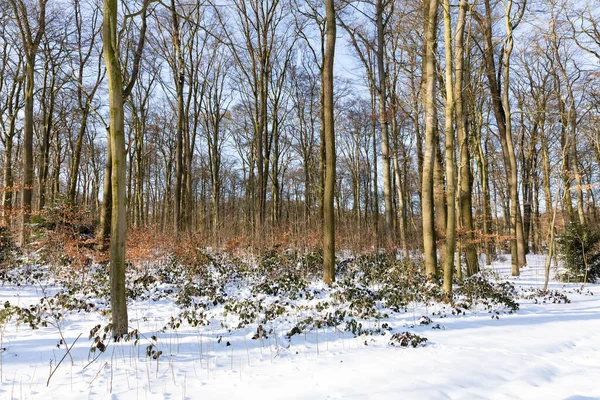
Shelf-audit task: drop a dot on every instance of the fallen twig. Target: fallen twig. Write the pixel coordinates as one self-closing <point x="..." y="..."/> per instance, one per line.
<point x="61" y="360"/>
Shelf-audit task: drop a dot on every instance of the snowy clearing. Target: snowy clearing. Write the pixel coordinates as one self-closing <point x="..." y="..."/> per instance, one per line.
<point x="545" y="350"/>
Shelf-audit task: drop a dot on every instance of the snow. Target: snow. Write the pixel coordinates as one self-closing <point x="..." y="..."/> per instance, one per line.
<point x="543" y="351"/>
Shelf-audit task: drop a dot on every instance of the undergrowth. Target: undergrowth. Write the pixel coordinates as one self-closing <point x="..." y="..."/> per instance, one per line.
<point x="257" y="290"/>
<point x="274" y="291"/>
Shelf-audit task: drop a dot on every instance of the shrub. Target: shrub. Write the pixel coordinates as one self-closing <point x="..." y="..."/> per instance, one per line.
<point x="477" y="290"/>
<point x="578" y="248"/>
<point x="407" y="339"/>
<point x="64" y="236"/>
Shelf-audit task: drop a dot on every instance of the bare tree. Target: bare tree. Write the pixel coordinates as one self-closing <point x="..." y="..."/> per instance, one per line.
<point x="11" y="87"/>
<point x="501" y="107"/>
<point x="427" y="208"/>
<point x="465" y="191"/>
<point x="86" y="54"/>
<point x="329" y="133"/>
<point x="450" y="155"/>
<point x="117" y="93"/>
<point x="377" y="74"/>
<point x="31" y="21"/>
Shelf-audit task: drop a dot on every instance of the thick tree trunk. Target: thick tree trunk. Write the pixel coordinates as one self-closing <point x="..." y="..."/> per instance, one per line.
<point x="27" y="191"/>
<point x="465" y="190"/>
<point x="179" y="76"/>
<point x="118" y="301"/>
<point x="450" y="158"/>
<point x="189" y="182"/>
<point x="322" y="162"/>
<point x="384" y="124"/>
<point x="427" y="203"/>
<point x="329" y="133"/>
<point x="262" y="161"/>
<point x="515" y="218"/>
<point x="375" y="175"/>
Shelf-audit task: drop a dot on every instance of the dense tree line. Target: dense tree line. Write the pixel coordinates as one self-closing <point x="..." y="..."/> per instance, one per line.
<point x="447" y="130"/>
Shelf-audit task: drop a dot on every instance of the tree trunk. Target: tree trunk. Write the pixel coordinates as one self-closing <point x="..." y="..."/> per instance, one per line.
<point x="516" y="221"/>
<point x="427" y="204"/>
<point x="450" y="158"/>
<point x="30" y="43"/>
<point x="179" y="76"/>
<point x="439" y="200"/>
<point x="47" y="129"/>
<point x="465" y="190"/>
<point x="375" y="175"/>
<point x="76" y="162"/>
<point x="499" y="102"/>
<point x="8" y="176"/>
<point x="118" y="301"/>
<point x="384" y="124"/>
<point x="329" y="133"/>
<point x="27" y="146"/>
<point x="401" y="215"/>
<point x="579" y="183"/>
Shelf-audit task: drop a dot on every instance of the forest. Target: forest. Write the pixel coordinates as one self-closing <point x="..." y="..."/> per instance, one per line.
<point x="391" y="152"/>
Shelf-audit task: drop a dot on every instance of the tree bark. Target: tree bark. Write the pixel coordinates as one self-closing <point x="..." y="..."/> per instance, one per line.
<point x="450" y="158"/>
<point x="516" y="220"/>
<point x="116" y="95"/>
<point x="384" y="124"/>
<point x="465" y="190"/>
<point x="427" y="204"/>
<point x="49" y="95"/>
<point x="27" y="192"/>
<point x="375" y="175"/>
<point x="329" y="133"/>
<point x="179" y="75"/>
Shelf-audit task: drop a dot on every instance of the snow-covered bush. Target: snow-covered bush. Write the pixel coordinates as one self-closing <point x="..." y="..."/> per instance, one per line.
<point x="477" y="290"/>
<point x="407" y="339"/>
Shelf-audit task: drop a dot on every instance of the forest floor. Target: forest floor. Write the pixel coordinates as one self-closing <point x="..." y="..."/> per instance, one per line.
<point x="282" y="342"/>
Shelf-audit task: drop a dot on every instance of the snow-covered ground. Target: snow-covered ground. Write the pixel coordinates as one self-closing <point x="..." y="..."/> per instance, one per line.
<point x="544" y="351"/>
